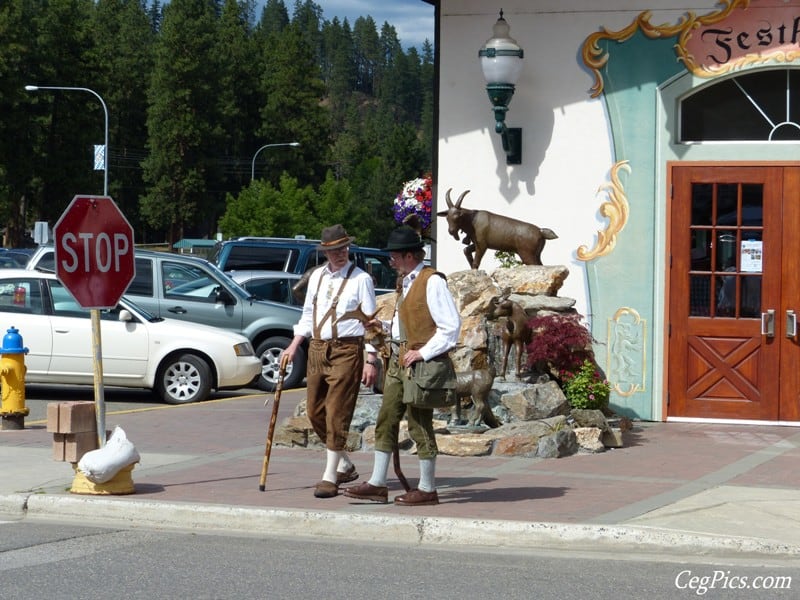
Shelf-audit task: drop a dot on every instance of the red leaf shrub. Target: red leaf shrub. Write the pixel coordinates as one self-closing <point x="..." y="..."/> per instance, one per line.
<point x="559" y="343"/>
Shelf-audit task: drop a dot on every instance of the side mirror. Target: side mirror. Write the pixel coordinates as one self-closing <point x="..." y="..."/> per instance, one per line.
<point x="125" y="315"/>
<point x="223" y="296"/>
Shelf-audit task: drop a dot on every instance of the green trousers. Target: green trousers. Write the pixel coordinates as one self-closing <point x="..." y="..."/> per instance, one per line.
<point x="420" y="420"/>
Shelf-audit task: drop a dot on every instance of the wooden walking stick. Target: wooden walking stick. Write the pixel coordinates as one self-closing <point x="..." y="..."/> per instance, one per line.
<point x="276" y="403"/>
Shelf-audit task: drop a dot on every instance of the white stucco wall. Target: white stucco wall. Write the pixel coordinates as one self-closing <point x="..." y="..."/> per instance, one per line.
<point x="566" y="154"/>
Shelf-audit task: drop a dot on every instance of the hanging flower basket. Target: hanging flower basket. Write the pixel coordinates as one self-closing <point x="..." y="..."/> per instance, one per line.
<point x="415" y="199"/>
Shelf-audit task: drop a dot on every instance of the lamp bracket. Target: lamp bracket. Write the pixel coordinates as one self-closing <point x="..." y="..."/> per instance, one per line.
<point x="512" y="144"/>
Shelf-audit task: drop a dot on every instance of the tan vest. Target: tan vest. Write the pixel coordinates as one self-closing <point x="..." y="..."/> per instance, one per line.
<point x="415" y="316"/>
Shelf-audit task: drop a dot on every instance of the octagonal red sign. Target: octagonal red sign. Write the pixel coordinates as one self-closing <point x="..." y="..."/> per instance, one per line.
<point x="94" y="251"/>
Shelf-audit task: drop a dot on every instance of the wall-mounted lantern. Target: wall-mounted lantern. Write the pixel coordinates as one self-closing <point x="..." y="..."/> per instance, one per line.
<point x="501" y="61"/>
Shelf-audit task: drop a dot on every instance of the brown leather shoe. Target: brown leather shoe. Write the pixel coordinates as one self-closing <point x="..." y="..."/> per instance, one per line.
<point x="326" y="489"/>
<point x="418" y="498"/>
<point x="366" y="491"/>
<point x="350" y="475"/>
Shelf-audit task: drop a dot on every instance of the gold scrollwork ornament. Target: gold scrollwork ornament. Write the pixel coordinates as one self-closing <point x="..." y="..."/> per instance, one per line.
<point x="616" y="209"/>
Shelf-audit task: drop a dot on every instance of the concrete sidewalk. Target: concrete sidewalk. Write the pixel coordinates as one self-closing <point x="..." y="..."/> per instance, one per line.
<point x="722" y="490"/>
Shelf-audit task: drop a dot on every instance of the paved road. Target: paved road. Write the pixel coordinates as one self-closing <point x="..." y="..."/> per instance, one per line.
<point x="43" y="560"/>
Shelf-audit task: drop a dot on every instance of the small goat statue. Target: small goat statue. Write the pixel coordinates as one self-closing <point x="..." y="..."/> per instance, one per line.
<point x="484" y="230"/>
<point x="517" y="332"/>
<point x="476" y="384"/>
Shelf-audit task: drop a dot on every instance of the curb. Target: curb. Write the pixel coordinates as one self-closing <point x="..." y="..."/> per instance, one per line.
<point x="432" y="531"/>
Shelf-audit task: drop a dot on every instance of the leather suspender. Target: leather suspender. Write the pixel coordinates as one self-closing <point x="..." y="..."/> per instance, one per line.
<point x="317" y="330"/>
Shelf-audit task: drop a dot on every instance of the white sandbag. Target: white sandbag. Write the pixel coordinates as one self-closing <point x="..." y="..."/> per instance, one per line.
<point x="102" y="464"/>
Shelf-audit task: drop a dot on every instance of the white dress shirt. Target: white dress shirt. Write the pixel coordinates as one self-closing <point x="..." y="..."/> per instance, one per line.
<point x="325" y="284"/>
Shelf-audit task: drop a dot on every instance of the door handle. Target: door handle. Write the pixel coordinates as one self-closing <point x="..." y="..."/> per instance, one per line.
<point x="791" y="324"/>
<point x="768" y="323"/>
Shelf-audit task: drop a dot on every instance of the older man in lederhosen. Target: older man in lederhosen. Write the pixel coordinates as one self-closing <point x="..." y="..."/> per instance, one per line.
<point x="336" y="365"/>
<point x="428" y="322"/>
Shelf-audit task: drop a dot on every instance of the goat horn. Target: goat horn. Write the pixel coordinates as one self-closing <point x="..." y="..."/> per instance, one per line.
<point x="460" y="198"/>
<point x="447" y="197"/>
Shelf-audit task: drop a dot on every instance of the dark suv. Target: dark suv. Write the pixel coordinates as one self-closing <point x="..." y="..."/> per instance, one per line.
<point x="188" y="288"/>
<point x="297" y="255"/>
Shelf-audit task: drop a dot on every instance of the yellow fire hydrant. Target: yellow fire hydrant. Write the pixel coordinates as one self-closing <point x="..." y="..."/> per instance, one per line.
<point x="12" y="377"/>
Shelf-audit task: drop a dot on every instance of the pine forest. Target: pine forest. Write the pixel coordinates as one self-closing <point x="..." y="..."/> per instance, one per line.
<point x="200" y="100"/>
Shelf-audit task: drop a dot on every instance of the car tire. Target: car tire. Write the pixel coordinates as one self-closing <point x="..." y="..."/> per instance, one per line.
<point x="270" y="353"/>
<point x="183" y="379"/>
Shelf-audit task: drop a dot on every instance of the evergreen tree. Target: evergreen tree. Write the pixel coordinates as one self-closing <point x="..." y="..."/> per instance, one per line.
<point x="292" y="109"/>
<point x="426" y="87"/>
<point x="17" y="145"/>
<point x="154" y="14"/>
<point x="339" y="70"/>
<point x="239" y="99"/>
<point x="182" y="121"/>
<point x="124" y="55"/>
<point x="367" y="53"/>
<point x="274" y="18"/>
<point x="307" y="18"/>
<point x="67" y="124"/>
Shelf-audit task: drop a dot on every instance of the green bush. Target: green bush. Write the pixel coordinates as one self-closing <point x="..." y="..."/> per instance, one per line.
<point x="508" y="260"/>
<point x="586" y="387"/>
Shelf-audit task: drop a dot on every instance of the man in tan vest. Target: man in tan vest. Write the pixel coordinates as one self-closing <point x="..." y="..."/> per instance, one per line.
<point x="427" y="320"/>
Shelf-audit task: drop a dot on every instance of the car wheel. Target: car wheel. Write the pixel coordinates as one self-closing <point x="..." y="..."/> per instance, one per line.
<point x="270" y="352"/>
<point x="184" y="379"/>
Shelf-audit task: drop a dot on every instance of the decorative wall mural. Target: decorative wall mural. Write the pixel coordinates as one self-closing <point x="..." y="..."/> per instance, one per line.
<point x="627" y="337"/>
<point x="616" y="209"/>
<point x="707" y="46"/>
<point x="595" y="58"/>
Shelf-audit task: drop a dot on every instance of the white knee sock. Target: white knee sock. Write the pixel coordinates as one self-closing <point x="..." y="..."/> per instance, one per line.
<point x="380" y="468"/>
<point x="344" y="463"/>
<point x="427" y="474"/>
<point x="333" y="457"/>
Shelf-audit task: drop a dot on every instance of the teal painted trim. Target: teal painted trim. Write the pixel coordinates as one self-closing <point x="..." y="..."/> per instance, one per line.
<point x="624" y="278"/>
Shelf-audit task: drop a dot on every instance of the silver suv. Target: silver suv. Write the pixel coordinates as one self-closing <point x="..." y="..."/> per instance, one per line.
<point x="188" y="288"/>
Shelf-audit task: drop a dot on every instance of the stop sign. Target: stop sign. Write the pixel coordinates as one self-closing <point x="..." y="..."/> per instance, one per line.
<point x="94" y="251"/>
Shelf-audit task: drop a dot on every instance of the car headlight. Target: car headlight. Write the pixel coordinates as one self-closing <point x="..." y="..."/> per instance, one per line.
<point x="243" y="349"/>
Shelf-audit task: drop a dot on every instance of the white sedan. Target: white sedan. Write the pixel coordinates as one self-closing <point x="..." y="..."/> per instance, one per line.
<point x="181" y="361"/>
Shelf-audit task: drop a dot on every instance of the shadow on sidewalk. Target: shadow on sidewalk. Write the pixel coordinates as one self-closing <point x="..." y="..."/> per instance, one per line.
<point x="500" y="494"/>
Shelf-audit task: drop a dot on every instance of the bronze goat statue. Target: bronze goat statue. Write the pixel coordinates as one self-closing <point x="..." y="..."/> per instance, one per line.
<point x="484" y="230"/>
<point x="517" y="331"/>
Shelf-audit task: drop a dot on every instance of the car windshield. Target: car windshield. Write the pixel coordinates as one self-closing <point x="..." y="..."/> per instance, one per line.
<point x="221" y="275"/>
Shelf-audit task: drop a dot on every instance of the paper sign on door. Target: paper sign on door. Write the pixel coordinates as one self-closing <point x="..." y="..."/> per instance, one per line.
<point x="751" y="256"/>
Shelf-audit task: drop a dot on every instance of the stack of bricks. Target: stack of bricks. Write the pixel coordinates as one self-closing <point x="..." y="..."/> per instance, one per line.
<point x="74" y="429"/>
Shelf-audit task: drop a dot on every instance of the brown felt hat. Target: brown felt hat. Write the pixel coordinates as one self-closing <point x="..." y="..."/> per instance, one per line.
<point x="335" y="237"/>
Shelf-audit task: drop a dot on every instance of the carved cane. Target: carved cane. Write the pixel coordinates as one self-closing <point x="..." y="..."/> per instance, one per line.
<point x="272" y="420"/>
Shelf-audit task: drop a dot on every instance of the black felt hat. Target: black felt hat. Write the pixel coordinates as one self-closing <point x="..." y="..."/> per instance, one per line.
<point x="334" y="237"/>
<point x="404" y="238"/>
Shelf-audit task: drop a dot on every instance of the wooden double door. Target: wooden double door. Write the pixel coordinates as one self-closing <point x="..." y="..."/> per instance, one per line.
<point x="734" y="292"/>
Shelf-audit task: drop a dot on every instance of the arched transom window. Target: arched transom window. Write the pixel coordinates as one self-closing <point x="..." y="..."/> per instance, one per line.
<point x="761" y="106"/>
